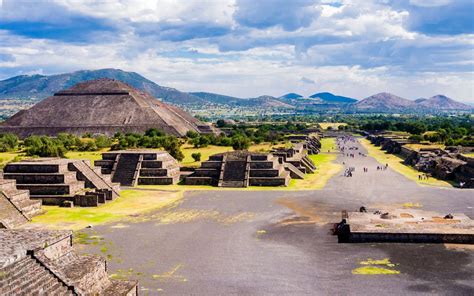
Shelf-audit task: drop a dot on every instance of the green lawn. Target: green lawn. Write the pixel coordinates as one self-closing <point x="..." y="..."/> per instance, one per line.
<point x="129" y="204"/>
<point x="333" y="125"/>
<point x="205" y="153"/>
<point x="6" y="157"/>
<point x="89" y="155"/>
<point x="396" y="163"/>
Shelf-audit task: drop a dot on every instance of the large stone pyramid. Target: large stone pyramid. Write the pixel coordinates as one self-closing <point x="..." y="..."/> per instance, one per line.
<point x="100" y="106"/>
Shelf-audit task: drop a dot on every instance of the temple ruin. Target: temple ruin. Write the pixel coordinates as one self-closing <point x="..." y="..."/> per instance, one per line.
<point x="295" y="160"/>
<point x="42" y="262"/>
<point x="16" y="207"/>
<point x="445" y="164"/>
<point x="310" y="142"/>
<point x="55" y="181"/>
<point x="404" y="225"/>
<point x="240" y="169"/>
<point x="139" y="167"/>
<point x="102" y="106"/>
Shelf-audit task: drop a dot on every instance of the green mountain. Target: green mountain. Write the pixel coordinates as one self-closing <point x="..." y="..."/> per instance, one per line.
<point x="291" y="96"/>
<point x="331" y="98"/>
<point x="41" y="86"/>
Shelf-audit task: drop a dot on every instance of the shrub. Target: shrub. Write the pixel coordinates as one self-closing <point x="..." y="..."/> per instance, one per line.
<point x="240" y="143"/>
<point x="8" y="142"/>
<point x="196" y="156"/>
<point x="192" y="134"/>
<point x="44" y="147"/>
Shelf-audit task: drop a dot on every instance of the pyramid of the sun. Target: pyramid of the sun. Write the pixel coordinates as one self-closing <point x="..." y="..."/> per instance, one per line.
<point x="102" y="106"/>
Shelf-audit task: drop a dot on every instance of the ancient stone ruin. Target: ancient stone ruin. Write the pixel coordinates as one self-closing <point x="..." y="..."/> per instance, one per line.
<point x="310" y="142"/>
<point x="42" y="262"/>
<point x="16" y="207"/>
<point x="240" y="169"/>
<point x="139" y="167"/>
<point x="55" y="181"/>
<point x="443" y="164"/>
<point x="102" y="106"/>
<point x="404" y="225"/>
<point x="295" y="160"/>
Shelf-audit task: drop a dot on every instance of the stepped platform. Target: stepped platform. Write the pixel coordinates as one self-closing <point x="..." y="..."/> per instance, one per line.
<point x="240" y="169"/>
<point x="16" y="207"/>
<point x="140" y="167"/>
<point x="42" y="262"/>
<point x="404" y="226"/>
<point x="310" y="142"/>
<point x="55" y="181"/>
<point x="297" y="156"/>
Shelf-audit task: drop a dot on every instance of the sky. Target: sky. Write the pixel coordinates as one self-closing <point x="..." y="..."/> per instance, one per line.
<point x="247" y="48"/>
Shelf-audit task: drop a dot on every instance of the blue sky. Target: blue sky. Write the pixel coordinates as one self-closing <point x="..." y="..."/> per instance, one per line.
<point x="246" y="48"/>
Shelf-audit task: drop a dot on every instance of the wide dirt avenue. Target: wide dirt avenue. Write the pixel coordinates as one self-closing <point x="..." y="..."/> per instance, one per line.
<point x="279" y="242"/>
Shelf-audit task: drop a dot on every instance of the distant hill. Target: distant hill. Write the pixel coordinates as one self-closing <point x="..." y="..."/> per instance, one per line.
<point x="260" y="102"/>
<point x="267" y="102"/>
<point x="440" y="102"/>
<point x="216" y="98"/>
<point x="41" y="86"/>
<point x="385" y="102"/>
<point x="331" y="98"/>
<point x="291" y="96"/>
<point x="21" y="92"/>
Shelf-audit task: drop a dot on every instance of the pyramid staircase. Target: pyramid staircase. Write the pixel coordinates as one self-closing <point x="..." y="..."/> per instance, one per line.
<point x="54" y="181"/>
<point x="41" y="262"/>
<point x="240" y="169"/>
<point x="140" y="167"/>
<point x="16" y="207"/>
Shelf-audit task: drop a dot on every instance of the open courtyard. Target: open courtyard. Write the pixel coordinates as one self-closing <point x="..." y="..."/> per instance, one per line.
<point x="246" y="242"/>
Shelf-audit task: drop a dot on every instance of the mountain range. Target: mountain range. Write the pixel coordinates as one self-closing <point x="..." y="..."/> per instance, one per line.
<point x="38" y="87"/>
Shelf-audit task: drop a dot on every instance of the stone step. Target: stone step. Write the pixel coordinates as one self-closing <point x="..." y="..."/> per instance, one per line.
<point x="233" y="184"/>
<point x="19" y="195"/>
<point x="121" y="287"/>
<point x="192" y="180"/>
<point x="10" y="215"/>
<point x="7" y="185"/>
<point x="22" y="167"/>
<point x="53" y="189"/>
<point x="88" y="273"/>
<point x="30" y="207"/>
<point x="158" y="180"/>
<point x="41" y="178"/>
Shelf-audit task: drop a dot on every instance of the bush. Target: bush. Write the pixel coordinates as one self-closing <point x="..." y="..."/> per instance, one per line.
<point x="44" y="147"/>
<point x="240" y="143"/>
<point x="103" y="142"/>
<point x="196" y="156"/>
<point x="8" y="142"/>
<point x="192" y="134"/>
<point x="88" y="145"/>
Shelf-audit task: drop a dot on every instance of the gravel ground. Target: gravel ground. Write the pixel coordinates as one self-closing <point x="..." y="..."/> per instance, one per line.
<point x="279" y="243"/>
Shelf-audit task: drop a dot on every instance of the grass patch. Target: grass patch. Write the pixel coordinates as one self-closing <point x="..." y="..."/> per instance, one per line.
<point x="368" y="270"/>
<point x="188" y="149"/>
<point x="417" y="147"/>
<point x="372" y="266"/>
<point x="396" y="163"/>
<point x="129" y="204"/>
<point x="86" y="155"/>
<point x="332" y="125"/>
<point x="6" y="157"/>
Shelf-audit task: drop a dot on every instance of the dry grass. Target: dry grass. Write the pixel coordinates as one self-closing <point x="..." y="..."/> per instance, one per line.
<point x="130" y="204"/>
<point x="396" y="163"/>
<point x="333" y="125"/>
